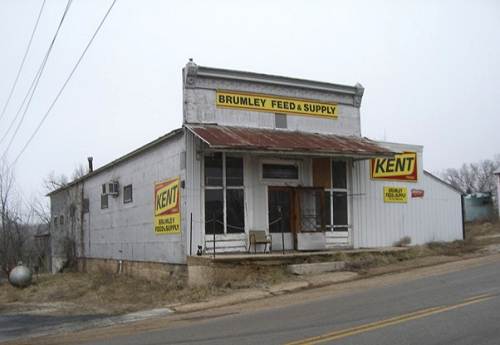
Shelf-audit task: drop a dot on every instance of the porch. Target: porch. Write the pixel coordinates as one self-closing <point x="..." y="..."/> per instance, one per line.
<point x="295" y="187"/>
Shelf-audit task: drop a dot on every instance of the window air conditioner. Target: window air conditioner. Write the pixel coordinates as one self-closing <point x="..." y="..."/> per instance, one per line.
<point x="113" y="188"/>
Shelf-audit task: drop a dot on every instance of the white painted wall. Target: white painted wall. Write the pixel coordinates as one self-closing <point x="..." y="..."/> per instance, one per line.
<point x="199" y="107"/>
<point x="435" y="217"/>
<point x="129" y="227"/>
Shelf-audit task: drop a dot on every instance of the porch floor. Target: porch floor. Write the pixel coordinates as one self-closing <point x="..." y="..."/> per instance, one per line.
<point x="277" y="257"/>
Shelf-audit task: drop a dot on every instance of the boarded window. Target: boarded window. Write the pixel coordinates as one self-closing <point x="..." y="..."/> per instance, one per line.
<point x="104" y="201"/>
<point x="213" y="169"/>
<point x="280" y="171"/>
<point x="280" y="121"/>
<point x="127" y="194"/>
<point x="214" y="211"/>
<point x="321" y="172"/>
<point x="235" y="211"/>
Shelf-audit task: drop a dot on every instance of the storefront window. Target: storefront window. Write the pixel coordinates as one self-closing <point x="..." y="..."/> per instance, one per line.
<point x="224" y="194"/>
<point x="213" y="169"/>
<point x="339" y="208"/>
<point x="234" y="171"/>
<point x="336" y="203"/>
<point x="235" y="211"/>
<point x="339" y="176"/>
<point x="214" y="215"/>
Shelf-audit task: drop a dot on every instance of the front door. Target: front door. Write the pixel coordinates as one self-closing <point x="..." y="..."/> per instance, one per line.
<point x="280" y="202"/>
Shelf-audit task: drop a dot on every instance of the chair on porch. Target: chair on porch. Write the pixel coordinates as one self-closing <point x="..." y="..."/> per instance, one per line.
<point x="256" y="237"/>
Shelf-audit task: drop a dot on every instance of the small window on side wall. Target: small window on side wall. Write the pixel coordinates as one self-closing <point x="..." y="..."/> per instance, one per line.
<point x="127" y="194"/>
<point x="86" y="205"/>
<point x="104" y="201"/>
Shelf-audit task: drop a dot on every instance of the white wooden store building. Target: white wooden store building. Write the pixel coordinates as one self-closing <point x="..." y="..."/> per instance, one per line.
<point x="255" y="152"/>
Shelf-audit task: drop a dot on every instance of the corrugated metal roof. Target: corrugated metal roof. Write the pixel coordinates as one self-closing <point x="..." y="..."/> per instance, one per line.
<point x="258" y="139"/>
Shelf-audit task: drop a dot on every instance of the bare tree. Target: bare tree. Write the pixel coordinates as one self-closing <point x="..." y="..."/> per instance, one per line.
<point x="474" y="177"/>
<point x="53" y="181"/>
<point x="14" y="224"/>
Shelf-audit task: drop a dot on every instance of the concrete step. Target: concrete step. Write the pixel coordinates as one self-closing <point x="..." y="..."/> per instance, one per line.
<point x="316" y="268"/>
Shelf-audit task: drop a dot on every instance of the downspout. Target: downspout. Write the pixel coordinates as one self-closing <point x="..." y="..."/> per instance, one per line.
<point x="463" y="215"/>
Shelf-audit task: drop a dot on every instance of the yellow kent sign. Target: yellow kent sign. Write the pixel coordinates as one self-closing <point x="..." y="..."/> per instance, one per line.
<point x="400" y="167"/>
<point x="396" y="194"/>
<point x="276" y="104"/>
<point x="167" y="209"/>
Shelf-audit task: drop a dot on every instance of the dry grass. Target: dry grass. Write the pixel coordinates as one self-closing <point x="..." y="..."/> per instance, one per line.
<point x="102" y="292"/>
<point x="475" y="241"/>
<point x="108" y="293"/>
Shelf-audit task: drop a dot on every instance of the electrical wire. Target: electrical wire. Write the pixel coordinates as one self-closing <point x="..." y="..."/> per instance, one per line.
<point x="14" y="85"/>
<point x="34" y="83"/>
<point x="65" y="83"/>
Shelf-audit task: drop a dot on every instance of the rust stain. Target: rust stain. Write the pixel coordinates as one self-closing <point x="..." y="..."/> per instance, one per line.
<point x="240" y="138"/>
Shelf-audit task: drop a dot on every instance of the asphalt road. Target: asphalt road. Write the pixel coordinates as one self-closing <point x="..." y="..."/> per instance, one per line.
<point x="16" y="325"/>
<point x="455" y="308"/>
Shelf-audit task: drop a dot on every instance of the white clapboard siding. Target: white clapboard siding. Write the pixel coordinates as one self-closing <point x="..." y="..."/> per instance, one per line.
<point x="336" y="239"/>
<point x="226" y="243"/>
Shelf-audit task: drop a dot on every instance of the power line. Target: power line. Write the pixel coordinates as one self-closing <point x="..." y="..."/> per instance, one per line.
<point x="65" y="83"/>
<point x="23" y="61"/>
<point x="34" y="84"/>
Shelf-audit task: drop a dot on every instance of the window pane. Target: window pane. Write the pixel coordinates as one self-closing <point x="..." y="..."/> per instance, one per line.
<point x="214" y="212"/>
<point x="339" y="208"/>
<point x="213" y="169"/>
<point x="235" y="210"/>
<point x="234" y="171"/>
<point x="327" y="214"/>
<point x="339" y="177"/>
<point x="104" y="201"/>
<point x="127" y="193"/>
<point x="280" y="171"/>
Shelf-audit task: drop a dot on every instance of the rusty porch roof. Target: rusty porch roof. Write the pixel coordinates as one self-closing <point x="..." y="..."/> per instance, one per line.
<point x="294" y="142"/>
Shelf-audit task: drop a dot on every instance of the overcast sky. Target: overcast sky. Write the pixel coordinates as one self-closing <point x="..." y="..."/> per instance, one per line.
<point x="430" y="70"/>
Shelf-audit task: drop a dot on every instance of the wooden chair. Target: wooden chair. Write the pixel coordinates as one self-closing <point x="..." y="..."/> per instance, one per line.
<point x="259" y="237"/>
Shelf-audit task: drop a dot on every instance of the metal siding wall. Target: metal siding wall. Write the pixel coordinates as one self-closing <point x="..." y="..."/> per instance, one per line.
<point x="129" y="227"/>
<point x="435" y="217"/>
<point x="193" y="194"/>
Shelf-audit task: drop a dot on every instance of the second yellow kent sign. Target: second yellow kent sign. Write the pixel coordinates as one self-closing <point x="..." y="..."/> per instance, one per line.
<point x="276" y="104"/>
